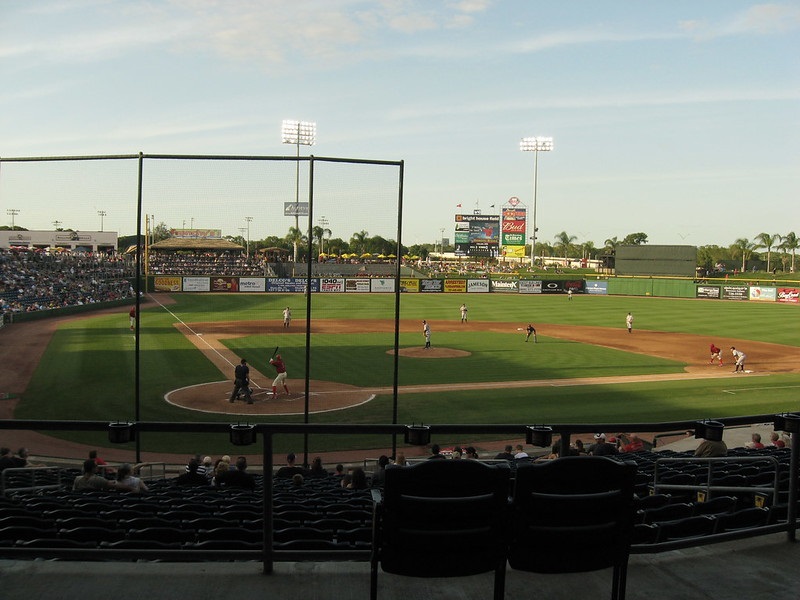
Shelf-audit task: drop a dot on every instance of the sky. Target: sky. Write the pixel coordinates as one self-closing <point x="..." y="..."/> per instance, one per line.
<point x="678" y="119"/>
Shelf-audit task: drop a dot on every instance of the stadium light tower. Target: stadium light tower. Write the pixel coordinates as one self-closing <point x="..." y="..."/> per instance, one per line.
<point x="13" y="212"/>
<point x="101" y="214"/>
<point x="535" y="145"/>
<point x="299" y="133"/>
<point x="249" y="220"/>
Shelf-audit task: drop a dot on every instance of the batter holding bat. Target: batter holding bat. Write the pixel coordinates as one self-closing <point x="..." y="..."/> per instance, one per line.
<point x="277" y="362"/>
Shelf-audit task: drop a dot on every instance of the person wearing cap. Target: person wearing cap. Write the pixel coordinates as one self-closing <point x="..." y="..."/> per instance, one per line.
<point x="598" y="439"/>
<point x="604" y="447"/>
<point x="280" y="379"/>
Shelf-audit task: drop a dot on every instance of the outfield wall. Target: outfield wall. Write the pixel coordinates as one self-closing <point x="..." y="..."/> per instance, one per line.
<point x="655" y="287"/>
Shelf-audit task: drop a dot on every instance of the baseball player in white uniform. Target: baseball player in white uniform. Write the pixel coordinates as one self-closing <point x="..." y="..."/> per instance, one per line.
<point x="739" y="357"/>
<point x="426" y="331"/>
<point x="463" y="313"/>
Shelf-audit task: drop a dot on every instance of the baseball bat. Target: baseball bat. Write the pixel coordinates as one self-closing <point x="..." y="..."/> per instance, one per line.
<point x="274" y="352"/>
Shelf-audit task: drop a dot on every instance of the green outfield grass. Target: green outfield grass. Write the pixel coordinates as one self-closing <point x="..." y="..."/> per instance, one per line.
<point x="87" y="371"/>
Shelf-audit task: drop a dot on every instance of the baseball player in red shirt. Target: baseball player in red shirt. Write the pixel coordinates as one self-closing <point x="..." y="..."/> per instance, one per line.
<point x="716" y="353"/>
<point x="280" y="379"/>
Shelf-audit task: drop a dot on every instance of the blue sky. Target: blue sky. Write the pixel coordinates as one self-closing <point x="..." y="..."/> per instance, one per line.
<point x="678" y="119"/>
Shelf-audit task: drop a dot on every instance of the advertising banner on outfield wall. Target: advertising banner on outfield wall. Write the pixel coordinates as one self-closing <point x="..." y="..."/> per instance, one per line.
<point x="788" y="295"/>
<point x="505" y="285"/>
<point x="597" y="287"/>
<point x="455" y="285"/>
<point x="380" y="285"/>
<point x="530" y="286"/>
<point x="430" y="285"/>
<point x="331" y="284"/>
<point x="196" y="284"/>
<point x="409" y="284"/>
<point x="252" y="284"/>
<point x="553" y="287"/>
<point x="291" y="284"/>
<point x="479" y="286"/>
<point x="224" y="284"/>
<point x="735" y="292"/>
<point x="708" y="291"/>
<point x="763" y="294"/>
<point x="167" y="284"/>
<point x="356" y="285"/>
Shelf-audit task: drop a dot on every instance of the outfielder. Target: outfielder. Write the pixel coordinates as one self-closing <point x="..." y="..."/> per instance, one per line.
<point x="280" y="379"/>
<point x="739" y="357"/>
<point x="629" y="322"/>
<point x="463" y="313"/>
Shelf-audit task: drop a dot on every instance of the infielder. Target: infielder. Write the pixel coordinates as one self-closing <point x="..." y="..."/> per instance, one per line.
<point x="530" y="330"/>
<point x="426" y="331"/>
<point x="280" y="379"/>
<point x="739" y="357"/>
<point x="287" y="316"/>
<point x="463" y="313"/>
<point x="629" y="322"/>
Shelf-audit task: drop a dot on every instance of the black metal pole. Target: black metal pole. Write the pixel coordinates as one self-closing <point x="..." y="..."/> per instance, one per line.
<point x="399" y="253"/>
<point x="138" y="289"/>
<point x="306" y="403"/>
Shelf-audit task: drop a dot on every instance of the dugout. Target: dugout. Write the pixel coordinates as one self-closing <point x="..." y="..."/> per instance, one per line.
<point x="656" y="260"/>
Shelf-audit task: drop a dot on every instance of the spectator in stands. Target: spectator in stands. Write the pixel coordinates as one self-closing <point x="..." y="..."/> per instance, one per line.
<point x="457" y="453"/>
<point x="220" y="469"/>
<point x="6" y="460"/>
<point x="291" y="468"/>
<point x="339" y="470"/>
<point x="317" y="470"/>
<point x="90" y="480"/>
<point x="711" y="448"/>
<point x="603" y="447"/>
<point x="297" y="480"/>
<point x="347" y="480"/>
<point x="578" y="446"/>
<point x="400" y="459"/>
<point x="206" y="467"/>
<point x="634" y="443"/>
<point x="22" y="460"/>
<point x="470" y="452"/>
<point x="358" y="480"/>
<point x="436" y="452"/>
<point x="238" y="478"/>
<point x="507" y="454"/>
<point x="775" y="440"/>
<point x="193" y="477"/>
<point x="755" y="442"/>
<point x="126" y="479"/>
<point x="101" y="463"/>
<point x="520" y="452"/>
<point x="379" y="476"/>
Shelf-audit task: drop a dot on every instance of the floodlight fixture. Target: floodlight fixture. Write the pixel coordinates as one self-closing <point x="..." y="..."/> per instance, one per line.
<point x="300" y="133"/>
<point x="535" y="144"/>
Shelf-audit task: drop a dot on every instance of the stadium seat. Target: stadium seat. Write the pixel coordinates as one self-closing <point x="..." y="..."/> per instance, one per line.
<point x="433" y="507"/>
<point x="230" y="533"/>
<point x="742" y="519"/>
<point x="92" y="534"/>
<point x="162" y="534"/>
<point x="301" y="533"/>
<point x="715" y="506"/>
<point x="689" y="527"/>
<point x="565" y="510"/>
<point x="668" y="512"/>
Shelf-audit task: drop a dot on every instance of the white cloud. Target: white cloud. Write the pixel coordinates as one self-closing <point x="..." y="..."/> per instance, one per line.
<point x="761" y="19"/>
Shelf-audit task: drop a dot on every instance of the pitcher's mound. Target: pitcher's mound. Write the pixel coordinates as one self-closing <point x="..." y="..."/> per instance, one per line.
<point x="418" y="352"/>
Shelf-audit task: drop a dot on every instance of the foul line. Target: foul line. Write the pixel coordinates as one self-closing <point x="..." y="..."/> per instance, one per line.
<point x="777" y="387"/>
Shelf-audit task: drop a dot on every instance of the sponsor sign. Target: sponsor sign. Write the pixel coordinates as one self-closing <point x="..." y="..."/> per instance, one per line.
<point x="708" y="291"/>
<point x="576" y="285"/>
<point x="252" y="284"/>
<point x="763" y="294"/>
<point x="430" y="285"/>
<point x="295" y="209"/>
<point x="477" y="235"/>
<point x="225" y="284"/>
<point x="409" y="284"/>
<point x="356" y="285"/>
<point x="196" y="284"/>
<point x="331" y="285"/>
<point x="167" y="284"/>
<point x="193" y="234"/>
<point x="505" y="285"/>
<point x="597" y="287"/>
<point x="514" y="225"/>
<point x="381" y="285"/>
<point x="291" y="284"/>
<point x="735" y="292"/>
<point x="789" y="295"/>
<point x="530" y="286"/>
<point x="455" y="285"/>
<point x="553" y="287"/>
<point x="514" y="251"/>
<point x="479" y="286"/>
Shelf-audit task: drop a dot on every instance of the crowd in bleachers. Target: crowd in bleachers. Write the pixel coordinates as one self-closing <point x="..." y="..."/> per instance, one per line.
<point x="33" y="280"/>
<point x="207" y="263"/>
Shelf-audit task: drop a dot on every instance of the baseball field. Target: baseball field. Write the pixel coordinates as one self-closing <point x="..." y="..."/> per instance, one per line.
<point x="584" y="366"/>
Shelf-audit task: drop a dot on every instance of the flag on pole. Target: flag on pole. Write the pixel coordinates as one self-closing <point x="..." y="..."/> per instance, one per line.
<point x="458" y="206"/>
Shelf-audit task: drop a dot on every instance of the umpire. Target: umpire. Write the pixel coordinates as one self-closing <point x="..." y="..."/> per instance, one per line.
<point x="241" y="382"/>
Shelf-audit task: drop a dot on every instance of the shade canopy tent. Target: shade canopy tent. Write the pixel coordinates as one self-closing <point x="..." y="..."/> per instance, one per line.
<point x="205" y="244"/>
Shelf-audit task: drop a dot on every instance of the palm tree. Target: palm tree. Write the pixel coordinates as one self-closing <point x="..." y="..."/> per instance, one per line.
<point x="359" y="241"/>
<point x="319" y="234"/>
<point x="611" y="245"/>
<point x="746" y="248"/>
<point x="565" y="240"/>
<point x="294" y="237"/>
<point x="767" y="240"/>
<point x="790" y="243"/>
